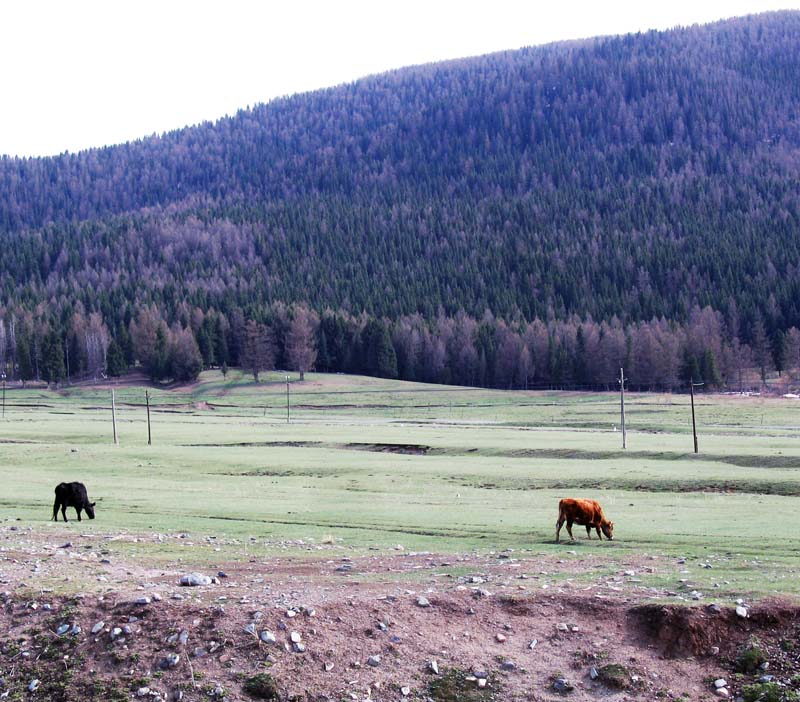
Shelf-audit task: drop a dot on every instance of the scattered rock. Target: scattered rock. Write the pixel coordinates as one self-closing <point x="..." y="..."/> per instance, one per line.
<point x="328" y="667"/>
<point x="267" y="637"/>
<point x="563" y="685"/>
<point x="374" y="661"/>
<point x="169" y="661"/>
<point x="720" y="682"/>
<point x="423" y="602"/>
<point x="433" y="666"/>
<point x="97" y="628"/>
<point x="195" y="579"/>
<point x="500" y="638"/>
<point x="741" y="611"/>
<point x="33" y="684"/>
<point x="532" y="644"/>
<point x="63" y="629"/>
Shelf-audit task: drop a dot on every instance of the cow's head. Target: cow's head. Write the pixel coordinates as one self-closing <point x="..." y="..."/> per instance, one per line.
<point x="608" y="529"/>
<point x="90" y="510"/>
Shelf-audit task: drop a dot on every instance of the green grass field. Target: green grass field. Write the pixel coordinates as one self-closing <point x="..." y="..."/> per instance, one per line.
<point x="376" y="463"/>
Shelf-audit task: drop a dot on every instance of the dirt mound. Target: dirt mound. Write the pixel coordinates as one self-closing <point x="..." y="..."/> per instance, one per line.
<point x="680" y="631"/>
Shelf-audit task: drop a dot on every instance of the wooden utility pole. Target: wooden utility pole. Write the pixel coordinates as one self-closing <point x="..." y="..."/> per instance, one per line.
<point x="114" y="416"/>
<point x="692" y="385"/>
<point x="147" y="400"/>
<point x="4" y="395"/>
<point x="287" y="399"/>
<point x="622" y="407"/>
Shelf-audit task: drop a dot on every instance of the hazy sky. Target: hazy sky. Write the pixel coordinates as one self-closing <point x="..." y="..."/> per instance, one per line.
<point x="77" y="74"/>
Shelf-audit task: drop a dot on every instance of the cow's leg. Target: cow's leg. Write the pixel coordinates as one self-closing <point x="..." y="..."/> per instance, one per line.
<point x="588" y="531"/>
<point x="64" y="512"/>
<point x="569" y="530"/>
<point x="78" y="510"/>
<point x="599" y="534"/>
<point x="55" y="510"/>
<point x="559" y="524"/>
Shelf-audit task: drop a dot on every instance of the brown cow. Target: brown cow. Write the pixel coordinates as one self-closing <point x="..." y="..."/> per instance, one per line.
<point x="585" y="512"/>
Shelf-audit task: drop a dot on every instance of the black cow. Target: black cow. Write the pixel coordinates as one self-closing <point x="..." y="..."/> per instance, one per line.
<point x="72" y="495"/>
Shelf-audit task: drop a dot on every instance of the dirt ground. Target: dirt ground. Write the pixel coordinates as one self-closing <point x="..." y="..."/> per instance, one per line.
<point x="91" y="625"/>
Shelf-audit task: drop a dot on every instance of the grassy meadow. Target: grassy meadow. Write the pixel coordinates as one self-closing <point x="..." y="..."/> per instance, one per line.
<point x="372" y="463"/>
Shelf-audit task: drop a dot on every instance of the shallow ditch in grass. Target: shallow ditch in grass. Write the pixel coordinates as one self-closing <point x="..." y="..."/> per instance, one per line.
<point x="749" y="487"/>
<point x="739" y="460"/>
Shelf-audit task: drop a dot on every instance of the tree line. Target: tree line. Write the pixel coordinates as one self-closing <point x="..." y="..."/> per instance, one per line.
<point x="583" y="193"/>
<point x="459" y="350"/>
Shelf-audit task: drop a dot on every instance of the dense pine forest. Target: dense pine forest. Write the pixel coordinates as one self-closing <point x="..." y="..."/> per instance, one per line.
<point x="525" y="218"/>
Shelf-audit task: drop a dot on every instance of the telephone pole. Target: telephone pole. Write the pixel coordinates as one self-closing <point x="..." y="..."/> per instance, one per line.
<point x="114" y="416"/>
<point x="692" y="386"/>
<point x="147" y="400"/>
<point x="287" y="399"/>
<point x="622" y="407"/>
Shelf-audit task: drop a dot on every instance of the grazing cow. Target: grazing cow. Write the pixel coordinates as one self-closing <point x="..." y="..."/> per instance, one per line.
<point x="585" y="512"/>
<point x="72" y="495"/>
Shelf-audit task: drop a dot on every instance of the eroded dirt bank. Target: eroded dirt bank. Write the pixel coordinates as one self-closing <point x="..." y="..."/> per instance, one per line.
<point x="383" y="627"/>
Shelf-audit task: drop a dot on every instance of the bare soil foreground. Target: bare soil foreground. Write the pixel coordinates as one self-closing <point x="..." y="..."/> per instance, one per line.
<point x="80" y="621"/>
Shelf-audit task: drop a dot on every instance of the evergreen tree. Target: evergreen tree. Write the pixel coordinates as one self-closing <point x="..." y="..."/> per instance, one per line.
<point x="24" y="360"/>
<point x="115" y="360"/>
<point x="159" y="366"/>
<point x="53" y="368"/>
<point x="709" y="370"/>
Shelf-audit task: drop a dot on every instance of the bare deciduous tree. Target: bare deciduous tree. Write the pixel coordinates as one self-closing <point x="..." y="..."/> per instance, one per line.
<point x="301" y="347"/>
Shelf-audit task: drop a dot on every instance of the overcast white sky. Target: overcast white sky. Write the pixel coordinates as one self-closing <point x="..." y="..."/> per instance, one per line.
<point x="78" y="73"/>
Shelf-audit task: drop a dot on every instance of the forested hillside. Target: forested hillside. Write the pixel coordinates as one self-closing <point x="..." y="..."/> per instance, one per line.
<point x="624" y="183"/>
